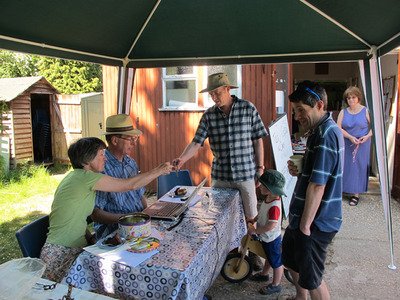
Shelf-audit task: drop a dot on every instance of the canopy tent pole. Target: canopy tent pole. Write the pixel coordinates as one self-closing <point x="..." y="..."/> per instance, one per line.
<point x="125" y="85"/>
<point x="121" y="89"/>
<point x="126" y="75"/>
<point x="371" y="79"/>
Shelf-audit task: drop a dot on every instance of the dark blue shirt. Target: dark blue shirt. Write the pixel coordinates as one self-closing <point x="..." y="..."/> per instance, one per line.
<point x="323" y="164"/>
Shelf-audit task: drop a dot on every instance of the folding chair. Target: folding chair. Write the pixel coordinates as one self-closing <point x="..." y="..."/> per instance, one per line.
<point x="167" y="182"/>
<point x="32" y="237"/>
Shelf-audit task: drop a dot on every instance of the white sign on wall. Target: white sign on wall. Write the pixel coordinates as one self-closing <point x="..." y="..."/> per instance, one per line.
<point x="282" y="150"/>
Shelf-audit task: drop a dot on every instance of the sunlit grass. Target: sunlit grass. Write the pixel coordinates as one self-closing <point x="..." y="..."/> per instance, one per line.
<point x="25" y="195"/>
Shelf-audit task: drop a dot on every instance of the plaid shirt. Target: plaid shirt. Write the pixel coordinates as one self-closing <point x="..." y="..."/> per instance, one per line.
<point x="120" y="203"/>
<point x="231" y="139"/>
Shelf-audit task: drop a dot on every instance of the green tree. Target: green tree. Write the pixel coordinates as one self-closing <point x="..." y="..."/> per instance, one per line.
<point x="68" y="77"/>
<point x="13" y="64"/>
<point x="71" y="77"/>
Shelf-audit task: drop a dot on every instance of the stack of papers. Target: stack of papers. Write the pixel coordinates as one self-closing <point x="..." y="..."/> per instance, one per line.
<point x="121" y="255"/>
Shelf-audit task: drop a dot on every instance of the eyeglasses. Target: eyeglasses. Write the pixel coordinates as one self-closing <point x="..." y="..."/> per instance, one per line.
<point x="131" y="139"/>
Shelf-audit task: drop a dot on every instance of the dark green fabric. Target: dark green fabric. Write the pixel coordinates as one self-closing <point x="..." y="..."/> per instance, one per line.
<point x="190" y="32"/>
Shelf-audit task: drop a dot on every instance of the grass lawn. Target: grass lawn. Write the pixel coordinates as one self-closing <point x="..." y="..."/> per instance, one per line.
<point x="24" y="198"/>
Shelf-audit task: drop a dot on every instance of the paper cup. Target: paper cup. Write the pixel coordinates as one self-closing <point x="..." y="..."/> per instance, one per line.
<point x="297" y="159"/>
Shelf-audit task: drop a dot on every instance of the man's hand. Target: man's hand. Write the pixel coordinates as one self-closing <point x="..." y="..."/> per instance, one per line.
<point x="165" y="168"/>
<point x="292" y="168"/>
<point x="177" y="163"/>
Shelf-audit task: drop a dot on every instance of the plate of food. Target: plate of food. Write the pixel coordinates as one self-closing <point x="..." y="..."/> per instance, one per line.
<point x="178" y="192"/>
<point x="112" y="241"/>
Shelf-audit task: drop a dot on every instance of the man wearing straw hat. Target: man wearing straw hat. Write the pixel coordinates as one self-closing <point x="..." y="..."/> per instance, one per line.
<point x="235" y="131"/>
<point x="121" y="137"/>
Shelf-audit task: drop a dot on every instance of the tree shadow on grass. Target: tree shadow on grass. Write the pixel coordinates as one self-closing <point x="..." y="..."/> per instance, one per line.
<point x="9" y="248"/>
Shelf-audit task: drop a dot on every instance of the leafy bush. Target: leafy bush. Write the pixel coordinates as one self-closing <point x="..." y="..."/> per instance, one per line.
<point x="23" y="170"/>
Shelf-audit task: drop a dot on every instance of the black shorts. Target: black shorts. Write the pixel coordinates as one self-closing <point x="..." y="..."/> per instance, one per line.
<point x="306" y="255"/>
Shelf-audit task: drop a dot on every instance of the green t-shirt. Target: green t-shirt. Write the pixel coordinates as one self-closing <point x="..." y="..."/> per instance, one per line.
<point x="73" y="202"/>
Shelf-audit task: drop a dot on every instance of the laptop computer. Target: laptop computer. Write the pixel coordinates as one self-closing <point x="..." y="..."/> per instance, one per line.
<point x="171" y="210"/>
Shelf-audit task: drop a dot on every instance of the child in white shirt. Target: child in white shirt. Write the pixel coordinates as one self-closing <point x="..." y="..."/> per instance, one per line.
<point x="268" y="228"/>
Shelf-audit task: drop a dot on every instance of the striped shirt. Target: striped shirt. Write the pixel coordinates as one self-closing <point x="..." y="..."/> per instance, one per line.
<point x="323" y="164"/>
<point x="120" y="203"/>
<point x="231" y="139"/>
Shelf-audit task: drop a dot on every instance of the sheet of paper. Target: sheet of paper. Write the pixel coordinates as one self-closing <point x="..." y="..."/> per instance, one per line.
<point x="95" y="250"/>
<point x="128" y="258"/>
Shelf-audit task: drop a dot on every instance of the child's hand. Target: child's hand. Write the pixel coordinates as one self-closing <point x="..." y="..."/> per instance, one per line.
<point x="251" y="231"/>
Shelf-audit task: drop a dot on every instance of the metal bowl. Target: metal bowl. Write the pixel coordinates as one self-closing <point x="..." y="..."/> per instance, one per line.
<point x="136" y="225"/>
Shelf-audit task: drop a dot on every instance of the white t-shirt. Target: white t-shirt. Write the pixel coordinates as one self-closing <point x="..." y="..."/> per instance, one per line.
<point x="270" y="211"/>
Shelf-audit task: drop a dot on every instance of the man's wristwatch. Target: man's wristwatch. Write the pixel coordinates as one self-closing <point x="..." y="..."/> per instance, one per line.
<point x="260" y="167"/>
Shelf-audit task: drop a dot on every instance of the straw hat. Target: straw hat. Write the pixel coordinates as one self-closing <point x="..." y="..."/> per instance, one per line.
<point x="120" y="124"/>
<point x="217" y="80"/>
<point x="274" y="181"/>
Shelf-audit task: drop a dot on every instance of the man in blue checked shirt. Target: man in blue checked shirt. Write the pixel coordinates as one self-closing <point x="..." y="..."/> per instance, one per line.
<point x="121" y="137"/>
<point x="235" y="131"/>
<point x="315" y="213"/>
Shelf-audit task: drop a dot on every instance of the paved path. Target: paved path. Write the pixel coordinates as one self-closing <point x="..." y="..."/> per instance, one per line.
<point x="357" y="264"/>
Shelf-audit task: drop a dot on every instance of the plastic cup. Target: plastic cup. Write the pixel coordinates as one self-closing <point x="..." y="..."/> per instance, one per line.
<point x="297" y="159"/>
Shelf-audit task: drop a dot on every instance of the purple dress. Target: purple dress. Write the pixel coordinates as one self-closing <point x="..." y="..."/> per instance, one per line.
<point x="356" y="165"/>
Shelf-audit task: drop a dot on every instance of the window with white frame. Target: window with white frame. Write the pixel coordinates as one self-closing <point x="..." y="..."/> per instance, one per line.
<point x="234" y="73"/>
<point x="180" y="87"/>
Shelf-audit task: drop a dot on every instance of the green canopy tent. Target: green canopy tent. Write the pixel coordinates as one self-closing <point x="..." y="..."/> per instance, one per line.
<point x="161" y="33"/>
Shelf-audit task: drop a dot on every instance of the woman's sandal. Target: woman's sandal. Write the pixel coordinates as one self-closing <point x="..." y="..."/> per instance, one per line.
<point x="354" y="201"/>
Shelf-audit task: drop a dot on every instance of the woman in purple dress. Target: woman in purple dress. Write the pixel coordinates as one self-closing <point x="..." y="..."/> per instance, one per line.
<point x="355" y="123"/>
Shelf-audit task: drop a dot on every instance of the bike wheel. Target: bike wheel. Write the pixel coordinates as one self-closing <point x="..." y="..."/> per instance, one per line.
<point x="228" y="269"/>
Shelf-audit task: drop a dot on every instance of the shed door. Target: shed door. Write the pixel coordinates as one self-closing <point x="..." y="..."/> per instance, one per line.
<point x="41" y="128"/>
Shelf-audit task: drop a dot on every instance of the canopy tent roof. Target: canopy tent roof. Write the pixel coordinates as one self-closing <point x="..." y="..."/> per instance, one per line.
<point x="156" y="33"/>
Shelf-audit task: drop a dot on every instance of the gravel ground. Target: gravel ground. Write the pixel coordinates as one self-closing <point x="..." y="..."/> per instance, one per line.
<point x="357" y="264"/>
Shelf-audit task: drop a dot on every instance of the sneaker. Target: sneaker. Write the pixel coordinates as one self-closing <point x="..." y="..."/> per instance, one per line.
<point x="270" y="289"/>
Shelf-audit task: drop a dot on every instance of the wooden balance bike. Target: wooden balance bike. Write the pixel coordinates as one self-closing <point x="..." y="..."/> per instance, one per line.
<point x="237" y="266"/>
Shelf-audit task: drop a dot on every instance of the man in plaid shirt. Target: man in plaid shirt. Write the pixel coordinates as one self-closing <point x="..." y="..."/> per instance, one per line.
<point x="235" y="131"/>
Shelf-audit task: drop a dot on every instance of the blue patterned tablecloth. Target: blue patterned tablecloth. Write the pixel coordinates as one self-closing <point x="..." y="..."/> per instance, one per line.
<point x="190" y="256"/>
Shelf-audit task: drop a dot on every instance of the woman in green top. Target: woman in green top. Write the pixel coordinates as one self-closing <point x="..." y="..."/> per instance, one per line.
<point x="74" y="201"/>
